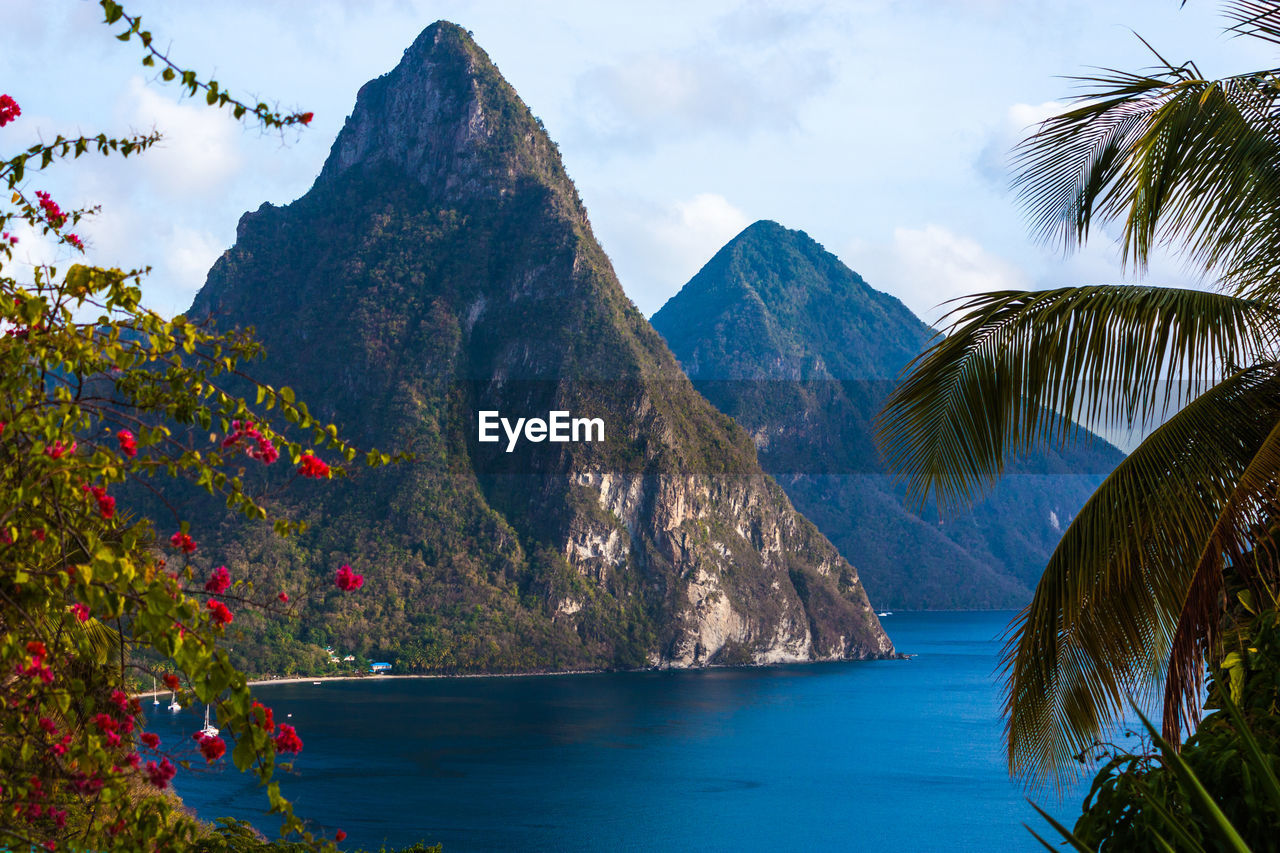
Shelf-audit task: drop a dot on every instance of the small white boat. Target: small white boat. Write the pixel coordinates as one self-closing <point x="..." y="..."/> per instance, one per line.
<point x="886" y="613"/>
<point x="315" y="682"/>
<point x="173" y="703"/>
<point x="155" y="694"/>
<point x="209" y="730"/>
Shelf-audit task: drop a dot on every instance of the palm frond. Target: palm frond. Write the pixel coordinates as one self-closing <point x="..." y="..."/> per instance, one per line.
<point x="1017" y="370"/>
<point x="1172" y="157"/>
<point x="1254" y="18"/>
<point x="1250" y="505"/>
<point x="1101" y="624"/>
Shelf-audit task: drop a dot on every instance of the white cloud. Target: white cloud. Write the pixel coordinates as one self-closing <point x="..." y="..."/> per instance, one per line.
<point x="928" y="266"/>
<point x="199" y="151"/>
<point x="1020" y="120"/>
<point x="189" y="254"/>
<point x="656" y="249"/>
<point x="654" y="97"/>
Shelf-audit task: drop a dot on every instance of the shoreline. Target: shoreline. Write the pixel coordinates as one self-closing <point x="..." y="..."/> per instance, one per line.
<point x="301" y="679"/>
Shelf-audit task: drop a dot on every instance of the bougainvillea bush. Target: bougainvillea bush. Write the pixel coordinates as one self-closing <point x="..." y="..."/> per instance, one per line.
<point x="101" y="399"/>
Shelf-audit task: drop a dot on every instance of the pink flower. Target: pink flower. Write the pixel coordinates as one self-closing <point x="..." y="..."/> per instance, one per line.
<point x="150" y="739"/>
<point x="9" y="110"/>
<point x="310" y="466"/>
<point x="106" y="503"/>
<point x="81" y="611"/>
<point x="262" y="448"/>
<point x="219" y="612"/>
<point x="182" y="542"/>
<point x="211" y="747"/>
<point x="268" y="718"/>
<point x="128" y="444"/>
<point x="75" y="241"/>
<point x="120" y="700"/>
<point x="161" y="774"/>
<point x="348" y="580"/>
<point x="52" y="213"/>
<point x="219" y="582"/>
<point x="287" y="740"/>
<point x="57" y="450"/>
<point x="48" y="726"/>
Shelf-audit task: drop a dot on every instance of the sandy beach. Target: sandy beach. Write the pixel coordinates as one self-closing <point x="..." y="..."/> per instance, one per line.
<point x="302" y="679"/>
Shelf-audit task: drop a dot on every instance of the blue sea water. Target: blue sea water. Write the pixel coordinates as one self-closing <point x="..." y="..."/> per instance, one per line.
<point x="878" y="756"/>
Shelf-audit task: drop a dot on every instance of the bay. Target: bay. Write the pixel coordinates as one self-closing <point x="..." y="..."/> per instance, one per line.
<point x="876" y="756"/>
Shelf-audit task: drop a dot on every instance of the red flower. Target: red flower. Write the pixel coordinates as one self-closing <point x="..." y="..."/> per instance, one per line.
<point x="212" y="748"/>
<point x="182" y="542"/>
<point x="221" y="615"/>
<point x="120" y="700"/>
<point x="106" y="503"/>
<point x="75" y="241"/>
<point x="58" y="449"/>
<point x="128" y="444"/>
<point x="48" y="726"/>
<point x="288" y="740"/>
<point x="171" y="681"/>
<point x="306" y="118"/>
<point x="268" y="718"/>
<point x="52" y="213"/>
<point x="219" y="582"/>
<point x="36" y="649"/>
<point x="39" y="534"/>
<point x="348" y="580"/>
<point x="151" y="739"/>
<point x="284" y="597"/>
<point x="81" y="611"/>
<point x="264" y="450"/>
<point x="6" y="237"/>
<point x="312" y="467"/>
<point x="9" y="110"/>
<point x="105" y="722"/>
<point x="339" y="836"/>
<point x="160" y="774"/>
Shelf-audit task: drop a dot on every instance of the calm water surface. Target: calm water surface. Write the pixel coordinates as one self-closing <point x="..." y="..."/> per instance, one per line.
<point x="879" y="756"/>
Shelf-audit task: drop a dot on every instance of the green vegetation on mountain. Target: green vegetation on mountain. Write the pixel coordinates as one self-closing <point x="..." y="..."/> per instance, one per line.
<point x="441" y="265"/>
<point x="799" y="350"/>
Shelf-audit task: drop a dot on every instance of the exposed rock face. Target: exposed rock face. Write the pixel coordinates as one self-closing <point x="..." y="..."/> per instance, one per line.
<point x="797" y="348"/>
<point x="443" y="265"/>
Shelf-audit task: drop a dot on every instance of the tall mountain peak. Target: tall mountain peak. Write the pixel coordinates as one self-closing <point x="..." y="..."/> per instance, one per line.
<point x="442" y="269"/>
<point x="446" y="117"/>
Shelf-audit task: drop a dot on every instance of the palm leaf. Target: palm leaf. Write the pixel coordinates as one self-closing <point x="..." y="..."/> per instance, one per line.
<point x="1251" y="503"/>
<point x="1100" y="625"/>
<point x="1171" y="157"/>
<point x="1018" y="369"/>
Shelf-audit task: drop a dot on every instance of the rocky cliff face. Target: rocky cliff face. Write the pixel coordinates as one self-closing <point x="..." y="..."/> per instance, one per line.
<point x="796" y="347"/>
<point x="443" y="265"/>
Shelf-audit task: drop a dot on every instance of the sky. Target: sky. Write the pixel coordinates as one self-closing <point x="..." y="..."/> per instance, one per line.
<point x="880" y="128"/>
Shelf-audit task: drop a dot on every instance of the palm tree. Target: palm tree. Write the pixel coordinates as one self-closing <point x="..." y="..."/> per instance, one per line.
<point x="1131" y="601"/>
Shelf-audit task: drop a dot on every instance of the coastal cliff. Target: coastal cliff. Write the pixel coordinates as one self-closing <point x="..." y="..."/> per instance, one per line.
<point x="443" y="265"/>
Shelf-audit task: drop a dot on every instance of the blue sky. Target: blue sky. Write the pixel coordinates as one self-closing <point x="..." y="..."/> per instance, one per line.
<point x="878" y="127"/>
